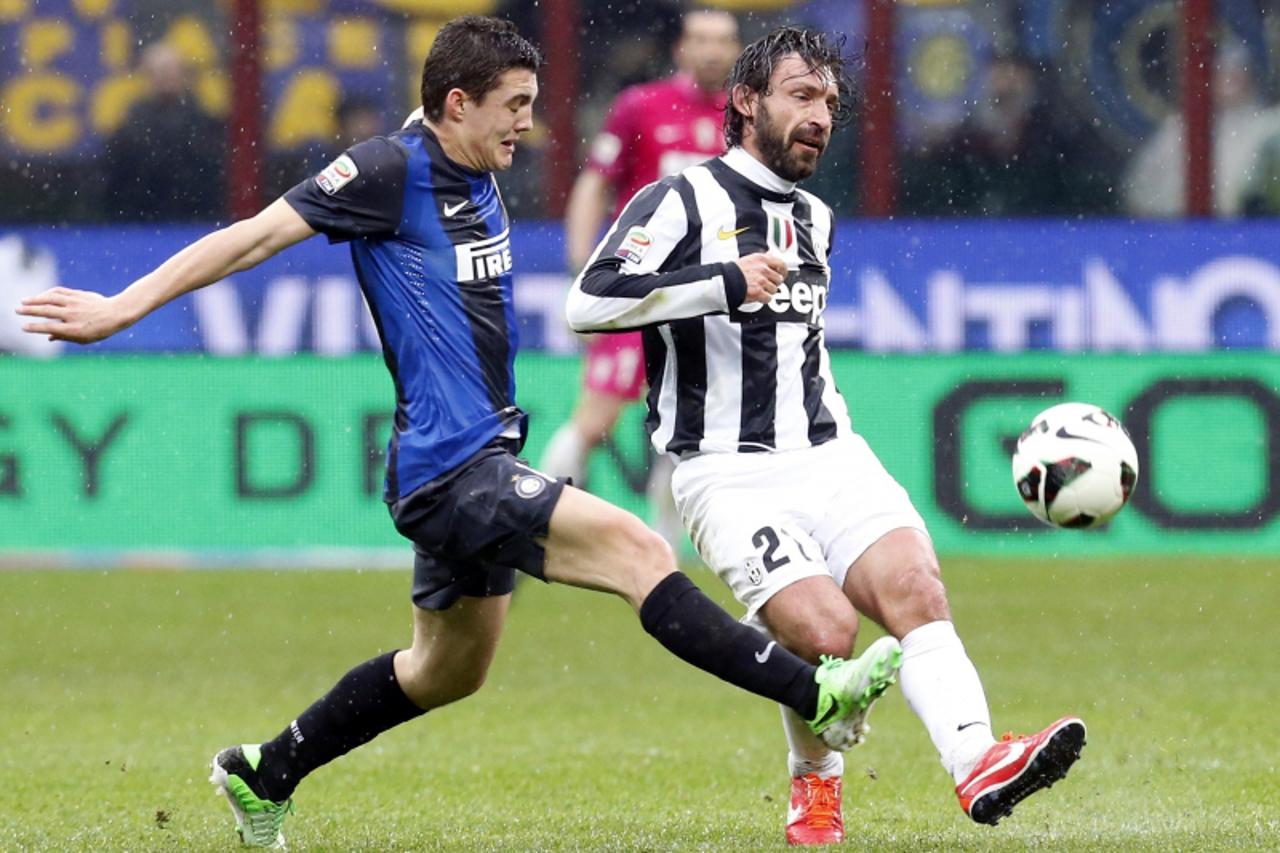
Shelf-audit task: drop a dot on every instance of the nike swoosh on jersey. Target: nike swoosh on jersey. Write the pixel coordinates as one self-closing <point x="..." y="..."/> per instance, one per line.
<point x="1014" y="753"/>
<point x="763" y="656"/>
<point x="450" y="210"/>
<point x="725" y="235"/>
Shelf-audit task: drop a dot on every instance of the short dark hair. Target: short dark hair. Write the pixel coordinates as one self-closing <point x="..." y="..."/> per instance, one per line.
<point x="470" y="53"/>
<point x="755" y="66"/>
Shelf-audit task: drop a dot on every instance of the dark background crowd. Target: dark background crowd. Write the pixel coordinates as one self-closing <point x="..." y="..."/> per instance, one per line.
<point x="1004" y="107"/>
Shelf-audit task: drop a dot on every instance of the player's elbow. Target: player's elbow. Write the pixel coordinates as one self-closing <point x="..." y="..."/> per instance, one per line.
<point x="582" y="312"/>
<point x="582" y="325"/>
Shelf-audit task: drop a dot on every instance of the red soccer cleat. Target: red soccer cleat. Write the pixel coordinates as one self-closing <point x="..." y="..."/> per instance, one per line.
<point x="1015" y="768"/>
<point x="814" y="816"/>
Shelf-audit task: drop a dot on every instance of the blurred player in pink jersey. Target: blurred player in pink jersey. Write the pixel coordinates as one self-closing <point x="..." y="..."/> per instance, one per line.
<point x="653" y="130"/>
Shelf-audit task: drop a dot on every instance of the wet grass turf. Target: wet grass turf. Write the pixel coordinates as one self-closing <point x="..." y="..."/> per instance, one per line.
<point x="117" y="687"/>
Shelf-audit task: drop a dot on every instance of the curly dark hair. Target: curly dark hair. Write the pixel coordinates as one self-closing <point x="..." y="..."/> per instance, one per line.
<point x="470" y="53"/>
<point x="755" y="66"/>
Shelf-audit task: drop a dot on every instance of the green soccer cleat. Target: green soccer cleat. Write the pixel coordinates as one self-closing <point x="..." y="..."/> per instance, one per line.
<point x="258" y="820"/>
<point x="848" y="688"/>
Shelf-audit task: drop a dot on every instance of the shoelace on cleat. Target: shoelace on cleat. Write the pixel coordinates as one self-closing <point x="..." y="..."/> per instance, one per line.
<point x="265" y="825"/>
<point x="820" y="797"/>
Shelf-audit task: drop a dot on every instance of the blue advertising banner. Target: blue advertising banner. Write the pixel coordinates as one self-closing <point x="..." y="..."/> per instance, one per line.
<point x="913" y="286"/>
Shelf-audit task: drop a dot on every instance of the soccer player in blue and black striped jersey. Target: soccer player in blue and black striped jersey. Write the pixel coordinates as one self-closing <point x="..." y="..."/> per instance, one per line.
<point x="429" y="239"/>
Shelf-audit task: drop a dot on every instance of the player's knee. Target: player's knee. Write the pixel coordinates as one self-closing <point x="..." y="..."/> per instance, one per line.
<point x="831" y="632"/>
<point x="639" y="559"/>
<point x="658" y="559"/>
<point x="641" y="550"/>
<point x="922" y="590"/>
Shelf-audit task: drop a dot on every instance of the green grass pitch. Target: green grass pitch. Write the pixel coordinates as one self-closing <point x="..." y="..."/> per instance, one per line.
<point x="117" y="687"/>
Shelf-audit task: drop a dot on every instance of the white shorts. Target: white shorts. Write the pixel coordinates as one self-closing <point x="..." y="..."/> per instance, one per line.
<point x="763" y="521"/>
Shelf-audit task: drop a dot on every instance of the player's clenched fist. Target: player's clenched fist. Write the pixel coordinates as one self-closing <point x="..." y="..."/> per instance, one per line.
<point x="79" y="316"/>
<point x="764" y="273"/>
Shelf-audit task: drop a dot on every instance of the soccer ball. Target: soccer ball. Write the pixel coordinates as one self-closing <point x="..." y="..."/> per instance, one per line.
<point x="1075" y="466"/>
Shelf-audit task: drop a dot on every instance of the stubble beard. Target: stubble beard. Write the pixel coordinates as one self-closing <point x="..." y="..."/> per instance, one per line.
<point x="777" y="150"/>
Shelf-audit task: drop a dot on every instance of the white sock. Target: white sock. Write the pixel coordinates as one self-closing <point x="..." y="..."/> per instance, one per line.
<point x="808" y="754"/>
<point x="565" y="455"/>
<point x="941" y="685"/>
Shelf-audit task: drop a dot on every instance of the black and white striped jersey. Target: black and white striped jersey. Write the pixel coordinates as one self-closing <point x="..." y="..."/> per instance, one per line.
<point x="723" y="376"/>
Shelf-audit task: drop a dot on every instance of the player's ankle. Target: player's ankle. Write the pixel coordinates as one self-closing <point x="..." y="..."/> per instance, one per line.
<point x="965" y="756"/>
<point x="832" y="764"/>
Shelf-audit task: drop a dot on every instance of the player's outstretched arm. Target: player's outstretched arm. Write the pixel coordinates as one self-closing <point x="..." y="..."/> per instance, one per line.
<point x="83" y="317"/>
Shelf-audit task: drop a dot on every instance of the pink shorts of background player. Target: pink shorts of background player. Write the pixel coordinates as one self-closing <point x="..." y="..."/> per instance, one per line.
<point x="615" y="365"/>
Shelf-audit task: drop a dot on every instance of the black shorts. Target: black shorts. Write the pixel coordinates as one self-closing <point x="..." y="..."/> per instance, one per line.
<point x="473" y="527"/>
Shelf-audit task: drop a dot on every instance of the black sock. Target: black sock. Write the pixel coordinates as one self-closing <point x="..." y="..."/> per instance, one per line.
<point x="696" y="630"/>
<point x="364" y="703"/>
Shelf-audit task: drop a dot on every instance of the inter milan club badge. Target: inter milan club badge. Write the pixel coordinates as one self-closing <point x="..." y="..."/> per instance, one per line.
<point x="530" y="486"/>
<point x="782" y="234"/>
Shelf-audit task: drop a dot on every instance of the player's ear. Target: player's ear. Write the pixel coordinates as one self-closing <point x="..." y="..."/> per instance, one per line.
<point x="455" y="104"/>
<point x="744" y="100"/>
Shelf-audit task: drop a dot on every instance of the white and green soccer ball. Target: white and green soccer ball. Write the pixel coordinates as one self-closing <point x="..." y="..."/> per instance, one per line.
<point x="1075" y="466"/>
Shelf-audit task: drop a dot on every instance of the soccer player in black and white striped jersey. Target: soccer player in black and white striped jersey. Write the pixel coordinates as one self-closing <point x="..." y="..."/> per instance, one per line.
<point x="725" y="268"/>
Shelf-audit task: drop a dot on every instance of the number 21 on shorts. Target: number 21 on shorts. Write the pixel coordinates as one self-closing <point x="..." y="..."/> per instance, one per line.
<point x="772" y="549"/>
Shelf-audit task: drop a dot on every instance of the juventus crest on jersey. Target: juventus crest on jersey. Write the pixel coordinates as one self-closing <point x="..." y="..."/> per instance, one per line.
<point x="723" y="376"/>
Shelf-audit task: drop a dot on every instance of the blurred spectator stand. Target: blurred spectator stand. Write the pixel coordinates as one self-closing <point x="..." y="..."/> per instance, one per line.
<point x="1243" y="122"/>
<point x="165" y="162"/>
<point x="1010" y="156"/>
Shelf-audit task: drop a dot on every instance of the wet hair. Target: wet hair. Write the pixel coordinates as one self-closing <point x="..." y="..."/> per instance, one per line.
<point x="470" y="53"/>
<point x="755" y="66"/>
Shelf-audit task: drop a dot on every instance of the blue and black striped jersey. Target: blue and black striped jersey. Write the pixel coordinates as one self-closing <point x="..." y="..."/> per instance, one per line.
<point x="431" y="247"/>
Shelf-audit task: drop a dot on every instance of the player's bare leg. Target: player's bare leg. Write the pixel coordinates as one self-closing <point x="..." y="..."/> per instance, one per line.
<point x="450" y="657"/>
<point x="897" y="583"/>
<point x="812" y="617"/>
<point x="452" y="650"/>
<point x="595" y="545"/>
